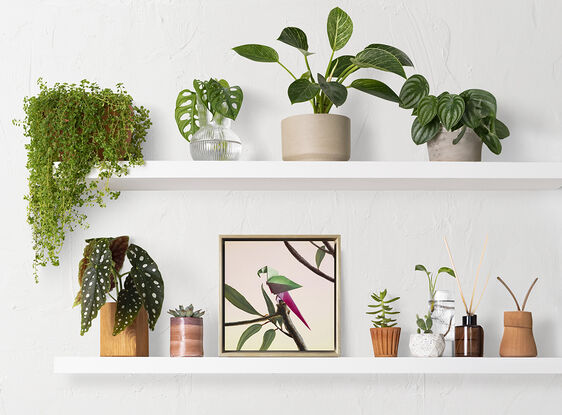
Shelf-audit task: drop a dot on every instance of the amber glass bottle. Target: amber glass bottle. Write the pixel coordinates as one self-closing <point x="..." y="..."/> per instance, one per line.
<point x="469" y="338"/>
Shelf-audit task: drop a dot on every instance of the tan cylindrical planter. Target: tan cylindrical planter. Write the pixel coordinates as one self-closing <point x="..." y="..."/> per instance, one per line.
<point x="385" y="341"/>
<point x="316" y="137"/>
<point x="441" y="148"/>
<point x="131" y="342"/>
<point x="186" y="336"/>
<point x="518" y="340"/>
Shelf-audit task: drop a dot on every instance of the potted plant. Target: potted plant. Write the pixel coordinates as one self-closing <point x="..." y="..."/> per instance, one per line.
<point x="81" y="127"/>
<point x="186" y="331"/>
<point x="384" y="335"/>
<point x="324" y="136"/>
<point x="453" y="126"/>
<point x="432" y="279"/>
<point x="425" y="343"/>
<point x="138" y="298"/>
<point x="204" y="116"/>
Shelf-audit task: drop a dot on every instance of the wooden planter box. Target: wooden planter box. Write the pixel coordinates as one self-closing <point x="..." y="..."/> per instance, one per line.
<point x="131" y="342"/>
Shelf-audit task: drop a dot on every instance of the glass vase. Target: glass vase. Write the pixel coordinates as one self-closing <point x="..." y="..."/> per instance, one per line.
<point x="442" y="308"/>
<point x="215" y="139"/>
<point x="469" y="338"/>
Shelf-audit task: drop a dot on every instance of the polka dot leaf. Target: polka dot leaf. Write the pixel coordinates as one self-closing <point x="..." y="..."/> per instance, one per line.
<point x="128" y="306"/>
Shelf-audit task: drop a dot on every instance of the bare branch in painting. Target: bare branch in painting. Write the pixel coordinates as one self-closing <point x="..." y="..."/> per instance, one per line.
<point x="297" y="338"/>
<point x="303" y="261"/>
<point x="330" y="248"/>
<point x="255" y="320"/>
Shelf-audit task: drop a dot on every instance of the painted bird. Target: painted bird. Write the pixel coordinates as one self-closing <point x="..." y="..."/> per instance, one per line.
<point x="280" y="286"/>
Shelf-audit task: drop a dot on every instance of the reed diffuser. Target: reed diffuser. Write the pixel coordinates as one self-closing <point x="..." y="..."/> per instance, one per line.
<point x="469" y="337"/>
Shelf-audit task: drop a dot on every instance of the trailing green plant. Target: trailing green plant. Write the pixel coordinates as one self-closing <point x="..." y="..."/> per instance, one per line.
<point x="188" y="311"/>
<point x="215" y="96"/>
<point x="325" y="90"/>
<point x="432" y="278"/>
<point x="382" y="310"/>
<point x="98" y="276"/>
<point x="424" y="324"/>
<point x="473" y="108"/>
<point x="83" y="127"/>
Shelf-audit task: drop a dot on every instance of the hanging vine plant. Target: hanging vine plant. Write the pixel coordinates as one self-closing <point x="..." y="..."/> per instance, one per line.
<point x="80" y="126"/>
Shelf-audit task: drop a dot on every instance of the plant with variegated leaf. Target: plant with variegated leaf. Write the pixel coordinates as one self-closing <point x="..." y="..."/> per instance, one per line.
<point x="324" y="91"/>
<point x="188" y="311"/>
<point x="98" y="276"/>
<point x="473" y="108"/>
<point x="382" y="311"/>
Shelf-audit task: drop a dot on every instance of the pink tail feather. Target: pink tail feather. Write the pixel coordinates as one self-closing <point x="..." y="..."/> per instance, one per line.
<point x="287" y="299"/>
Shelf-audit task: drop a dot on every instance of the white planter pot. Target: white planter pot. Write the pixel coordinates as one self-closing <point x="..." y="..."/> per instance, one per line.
<point x="316" y="137"/>
<point x="441" y="148"/>
<point x="427" y="345"/>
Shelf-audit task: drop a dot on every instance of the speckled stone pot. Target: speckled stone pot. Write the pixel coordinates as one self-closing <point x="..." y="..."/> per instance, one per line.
<point x="441" y="148"/>
<point x="427" y="345"/>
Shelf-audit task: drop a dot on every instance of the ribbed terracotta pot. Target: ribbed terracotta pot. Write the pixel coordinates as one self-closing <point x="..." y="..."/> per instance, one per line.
<point x="441" y="148"/>
<point x="186" y="336"/>
<point x="316" y="137"/>
<point x="385" y="341"/>
<point x="131" y="342"/>
<point x="518" y="339"/>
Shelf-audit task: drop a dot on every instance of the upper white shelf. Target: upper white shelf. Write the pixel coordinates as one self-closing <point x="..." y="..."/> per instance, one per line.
<point x="355" y="175"/>
<point x="341" y="365"/>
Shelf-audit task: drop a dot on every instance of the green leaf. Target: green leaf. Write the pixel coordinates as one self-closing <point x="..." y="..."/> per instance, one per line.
<point x="320" y="254"/>
<point x="96" y="282"/>
<point x="461" y="134"/>
<point x="268" y="271"/>
<point x="268" y="302"/>
<point x="489" y="138"/>
<point x="302" y="90"/>
<point x="501" y="130"/>
<point x="420" y="267"/>
<point x="479" y="104"/>
<point x="226" y="100"/>
<point x="186" y="115"/>
<point x="293" y="36"/>
<point x="339" y="65"/>
<point x="413" y="91"/>
<point x="336" y="92"/>
<point x="200" y="88"/>
<point x="238" y="300"/>
<point x="82" y="266"/>
<point x="340" y="28"/>
<point x="268" y="338"/>
<point x="148" y="282"/>
<point x="305" y="75"/>
<point x="257" y="53"/>
<point x="393" y="300"/>
<point x="423" y="133"/>
<point x="279" y="283"/>
<point x="427" y="109"/>
<point x="379" y="59"/>
<point x="446" y="270"/>
<point x="450" y="108"/>
<point x="128" y="305"/>
<point x="249" y="332"/>
<point x="428" y="322"/>
<point x="398" y="54"/>
<point x="376" y="88"/>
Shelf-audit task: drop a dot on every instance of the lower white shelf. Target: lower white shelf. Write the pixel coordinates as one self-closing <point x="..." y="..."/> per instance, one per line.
<point x="342" y="365"/>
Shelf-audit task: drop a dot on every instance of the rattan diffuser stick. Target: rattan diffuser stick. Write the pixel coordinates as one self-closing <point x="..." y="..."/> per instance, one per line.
<point x="477" y="274"/>
<point x="456" y="274"/>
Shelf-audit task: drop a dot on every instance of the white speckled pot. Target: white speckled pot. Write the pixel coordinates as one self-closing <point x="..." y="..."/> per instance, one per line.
<point x="427" y="345"/>
<point x="441" y="148"/>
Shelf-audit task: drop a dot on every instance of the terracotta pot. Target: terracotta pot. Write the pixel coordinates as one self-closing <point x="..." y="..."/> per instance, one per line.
<point x="186" y="336"/>
<point x="441" y="148"/>
<point x="427" y="344"/>
<point x="385" y="341"/>
<point x="133" y="341"/>
<point x="518" y="340"/>
<point x="316" y="137"/>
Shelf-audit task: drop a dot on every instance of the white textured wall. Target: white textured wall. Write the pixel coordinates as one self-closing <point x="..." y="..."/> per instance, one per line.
<point x="156" y="48"/>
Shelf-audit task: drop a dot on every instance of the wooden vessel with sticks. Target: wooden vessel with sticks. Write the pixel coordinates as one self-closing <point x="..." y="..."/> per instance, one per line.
<point x="518" y="339"/>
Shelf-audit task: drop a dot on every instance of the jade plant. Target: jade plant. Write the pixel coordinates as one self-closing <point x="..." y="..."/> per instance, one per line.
<point x="424" y="324"/>
<point x="328" y="89"/>
<point x="432" y="278"/>
<point x="382" y="311"/>
<point x="80" y="126"/>
<point x="215" y="96"/>
<point x="473" y="108"/>
<point x="188" y="311"/>
<point x="98" y="276"/>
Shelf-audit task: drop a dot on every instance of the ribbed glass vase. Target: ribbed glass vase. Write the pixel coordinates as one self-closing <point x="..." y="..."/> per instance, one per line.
<point x="215" y="140"/>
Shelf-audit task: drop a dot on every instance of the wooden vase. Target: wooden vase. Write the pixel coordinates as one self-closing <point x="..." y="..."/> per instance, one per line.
<point x="186" y="337"/>
<point x="518" y="340"/>
<point x="131" y="342"/>
<point x="385" y="341"/>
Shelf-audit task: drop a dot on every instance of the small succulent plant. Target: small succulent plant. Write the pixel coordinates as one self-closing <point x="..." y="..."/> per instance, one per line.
<point x="424" y="325"/>
<point x="382" y="310"/>
<point x="188" y="311"/>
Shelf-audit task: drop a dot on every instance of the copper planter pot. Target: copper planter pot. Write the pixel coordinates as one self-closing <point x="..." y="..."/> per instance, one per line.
<point x="131" y="342"/>
<point x="518" y="340"/>
<point x="385" y="341"/>
<point x="186" y="337"/>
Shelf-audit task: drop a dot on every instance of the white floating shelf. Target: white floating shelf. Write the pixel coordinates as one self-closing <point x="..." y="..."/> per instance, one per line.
<point x="355" y="175"/>
<point x="342" y="365"/>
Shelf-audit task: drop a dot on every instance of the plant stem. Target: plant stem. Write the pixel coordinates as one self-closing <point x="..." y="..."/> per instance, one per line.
<point x="287" y="69"/>
<point x="346" y="73"/>
<point x="112" y="297"/>
<point x="303" y="261"/>
<point x="308" y="67"/>
<point x="330" y="62"/>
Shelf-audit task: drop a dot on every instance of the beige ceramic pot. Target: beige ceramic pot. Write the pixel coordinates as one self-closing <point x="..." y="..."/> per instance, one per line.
<point x="316" y="137"/>
<point x="186" y="337"/>
<point x="441" y="148"/>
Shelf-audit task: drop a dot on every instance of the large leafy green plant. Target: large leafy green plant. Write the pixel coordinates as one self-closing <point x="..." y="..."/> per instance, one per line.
<point x="215" y="96"/>
<point x="325" y="90"/>
<point x="98" y="276"/>
<point x="80" y="126"/>
<point x="473" y="108"/>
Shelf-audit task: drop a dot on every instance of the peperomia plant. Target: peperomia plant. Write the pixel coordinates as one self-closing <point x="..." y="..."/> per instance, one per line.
<point x="98" y="275"/>
<point x="188" y="311"/>
<point x="424" y="324"/>
<point x="473" y="108"/>
<point x="215" y="96"/>
<point x="325" y="90"/>
<point x="432" y="279"/>
<point x="383" y="310"/>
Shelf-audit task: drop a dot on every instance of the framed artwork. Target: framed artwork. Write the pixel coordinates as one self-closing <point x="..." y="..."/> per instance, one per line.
<point x="279" y="295"/>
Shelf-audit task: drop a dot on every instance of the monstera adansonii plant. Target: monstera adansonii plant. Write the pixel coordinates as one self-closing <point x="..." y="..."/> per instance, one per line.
<point x="98" y="276"/>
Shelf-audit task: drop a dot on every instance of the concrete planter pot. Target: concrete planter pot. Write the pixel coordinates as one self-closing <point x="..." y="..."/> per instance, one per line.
<point x="518" y="339"/>
<point x="385" y="341"/>
<point x="316" y="137"/>
<point x="427" y="345"/>
<point x="186" y="337"/>
<point x="441" y="148"/>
